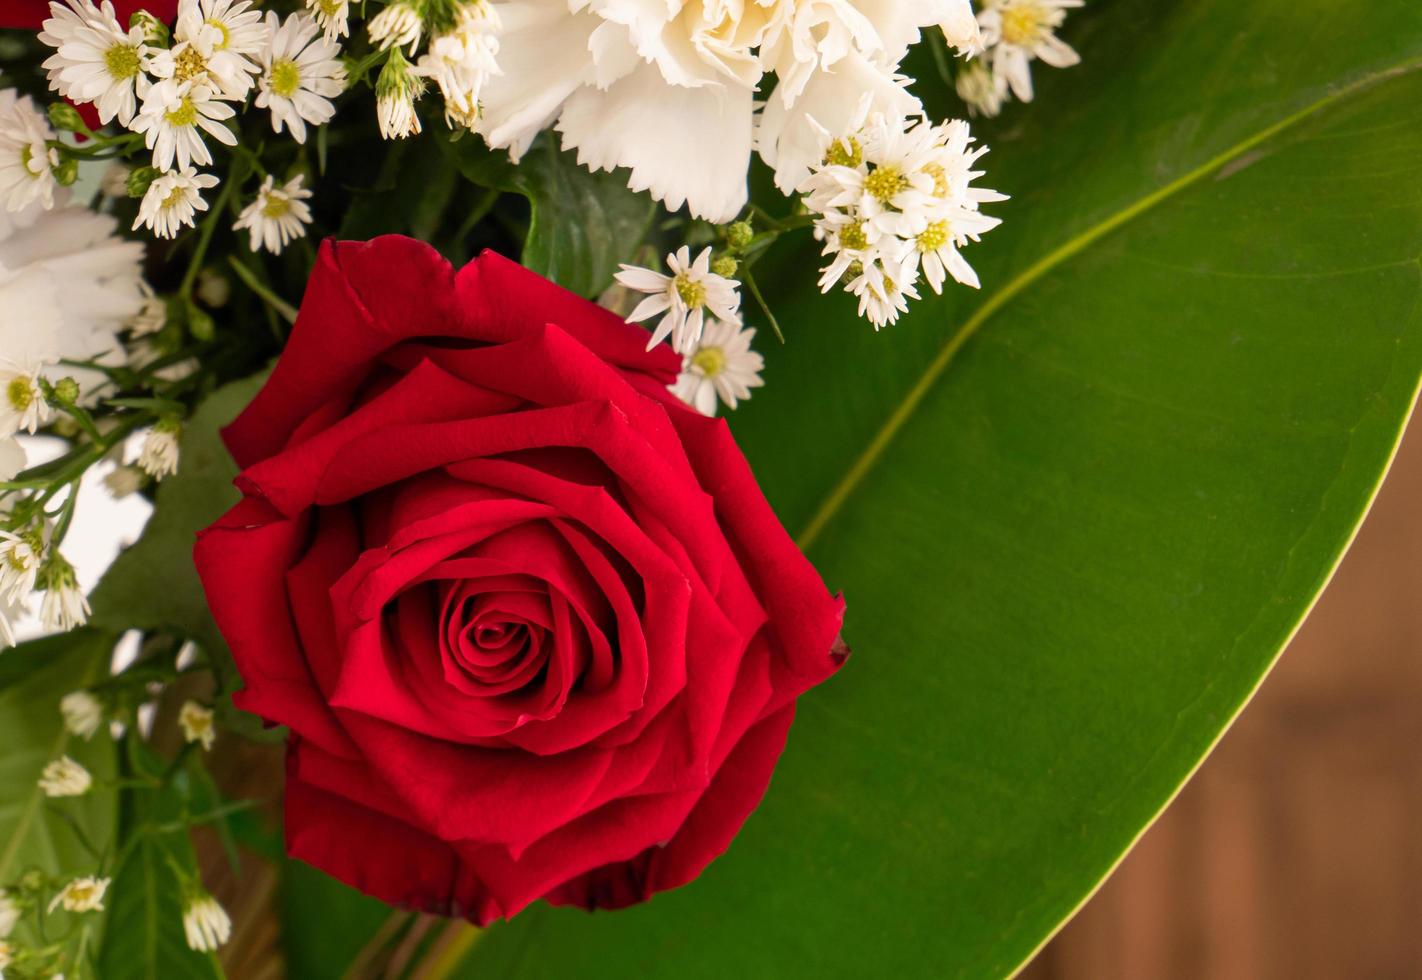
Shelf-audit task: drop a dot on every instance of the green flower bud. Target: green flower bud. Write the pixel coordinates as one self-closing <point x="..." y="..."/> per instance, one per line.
<point x="155" y="32"/>
<point x="739" y="235"/>
<point x="200" y="325"/>
<point x="725" y="265"/>
<point x="139" y="179"/>
<point x="64" y="116"/>
<point x="67" y="172"/>
<point x="66" y="391"/>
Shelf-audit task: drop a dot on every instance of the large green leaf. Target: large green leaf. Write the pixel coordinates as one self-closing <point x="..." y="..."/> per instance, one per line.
<point x="153" y="585"/>
<point x="36" y="832"/>
<point x="1076" y="517"/>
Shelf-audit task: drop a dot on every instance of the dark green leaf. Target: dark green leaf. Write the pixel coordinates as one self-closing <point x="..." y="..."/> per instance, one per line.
<point x="324" y="924"/>
<point x="1076" y="517"/>
<point x="144" y="937"/>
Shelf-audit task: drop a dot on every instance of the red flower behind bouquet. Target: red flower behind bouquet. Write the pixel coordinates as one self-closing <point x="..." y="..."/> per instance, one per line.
<point x="530" y="621"/>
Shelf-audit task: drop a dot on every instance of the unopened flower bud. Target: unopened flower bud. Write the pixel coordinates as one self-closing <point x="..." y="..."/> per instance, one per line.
<point x="213" y="288"/>
<point x="139" y="179"/>
<point x="725" y="265"/>
<point x="64" y="116"/>
<point x="67" y="172"/>
<point x="155" y="32"/>
<point x="66" y="391"/>
<point x="739" y="235"/>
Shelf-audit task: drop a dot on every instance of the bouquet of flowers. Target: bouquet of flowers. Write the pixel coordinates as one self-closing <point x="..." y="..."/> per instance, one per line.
<point x="488" y="371"/>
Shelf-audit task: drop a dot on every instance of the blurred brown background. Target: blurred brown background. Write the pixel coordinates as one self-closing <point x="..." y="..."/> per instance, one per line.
<point x="1296" y="851"/>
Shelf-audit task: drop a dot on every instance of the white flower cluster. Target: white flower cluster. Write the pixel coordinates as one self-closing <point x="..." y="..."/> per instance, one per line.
<point x="893" y="199"/>
<point x="178" y="92"/>
<point x="461" y="57"/>
<point x="1014" y="34"/>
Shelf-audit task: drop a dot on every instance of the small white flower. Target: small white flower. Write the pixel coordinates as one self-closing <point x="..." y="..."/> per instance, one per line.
<point x="398" y="25"/>
<point x="64" y="605"/>
<point x="215" y="44"/>
<point x="65" y="777"/>
<point x="96" y="59"/>
<point x="461" y="60"/>
<point x="684" y="297"/>
<point x="332" y="15"/>
<point x="159" y="455"/>
<point x="81" y="895"/>
<point x="19" y="565"/>
<point x="124" y="480"/>
<point x="983" y="91"/>
<point x="27" y="161"/>
<point x="172" y="200"/>
<point x="197" y="724"/>
<point x="83" y="713"/>
<point x="396" y="90"/>
<point x="9" y="914"/>
<point x="1017" y="32"/>
<point x="173" y="118"/>
<point x="205" y="923"/>
<point x="277" y="216"/>
<point x="722" y="366"/>
<point x="23" y="405"/>
<point x="114" y="182"/>
<point x="300" y="75"/>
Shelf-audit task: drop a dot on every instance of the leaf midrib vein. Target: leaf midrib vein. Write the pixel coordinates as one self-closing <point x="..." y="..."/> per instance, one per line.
<point x="865" y="462"/>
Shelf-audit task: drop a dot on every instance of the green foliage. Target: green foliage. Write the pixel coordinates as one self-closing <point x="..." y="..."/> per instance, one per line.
<point x="153" y="585"/>
<point x="1076" y="517"/>
<point x="325" y="924"/>
<point x="582" y="225"/>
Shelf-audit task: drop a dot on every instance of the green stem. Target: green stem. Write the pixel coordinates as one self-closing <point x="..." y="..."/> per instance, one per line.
<point x="749" y="279"/>
<point x="250" y="280"/>
<point x="209" y="227"/>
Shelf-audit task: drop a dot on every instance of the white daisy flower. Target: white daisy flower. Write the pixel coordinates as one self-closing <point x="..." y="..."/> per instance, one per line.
<point x="81" y="895"/>
<point x="96" y="59"/>
<point x="884" y="289"/>
<point x="722" y="366"/>
<point x="462" y="59"/>
<point x="398" y="25"/>
<point x="172" y="200"/>
<point x="27" y="161"/>
<point x="22" y="405"/>
<point x="19" y="565"/>
<point x="9" y="914"/>
<point x="196" y="723"/>
<point x="983" y="91"/>
<point x="65" y="777"/>
<point x="159" y="455"/>
<point x="83" y="713"/>
<point x="277" y="216"/>
<point x="173" y="118"/>
<point x="64" y="605"/>
<point x="300" y="75"/>
<point x="206" y="924"/>
<point x="216" y="43"/>
<point x="684" y="297"/>
<point x="332" y="15"/>
<point x="1017" y="32"/>
<point x="396" y="90"/>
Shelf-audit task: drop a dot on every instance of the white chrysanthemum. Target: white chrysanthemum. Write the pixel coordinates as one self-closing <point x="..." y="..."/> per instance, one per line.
<point x="64" y="605"/>
<point x="19" y="565"/>
<point x="460" y="60"/>
<point x="682" y="298"/>
<point x="9" y="914"/>
<point x="983" y="91"/>
<point x="332" y="15"/>
<point x="65" y="777"/>
<point x="96" y="59"/>
<point x="215" y="44"/>
<point x="81" y="895"/>
<point x="27" y="161"/>
<point x="22" y="403"/>
<point x="206" y="924"/>
<point x="1018" y="32"/>
<point x="173" y="118"/>
<point x="722" y="366"/>
<point x="398" y="25"/>
<point x="172" y="200"/>
<point x="301" y="73"/>
<point x="197" y="724"/>
<point x="159" y="455"/>
<point x="83" y="713"/>
<point x="277" y="216"/>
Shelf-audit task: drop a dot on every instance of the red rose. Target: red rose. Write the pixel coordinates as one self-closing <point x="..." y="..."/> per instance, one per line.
<point x="30" y="14"/>
<point x="531" y="623"/>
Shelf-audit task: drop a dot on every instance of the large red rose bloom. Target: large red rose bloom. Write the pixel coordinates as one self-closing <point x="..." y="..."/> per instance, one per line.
<point x="533" y="627"/>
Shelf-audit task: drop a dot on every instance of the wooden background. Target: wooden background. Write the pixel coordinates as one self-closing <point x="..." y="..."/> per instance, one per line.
<point x="1296" y="851"/>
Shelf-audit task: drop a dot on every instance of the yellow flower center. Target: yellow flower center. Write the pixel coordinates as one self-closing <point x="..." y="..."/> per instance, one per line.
<point x="121" y="61"/>
<point x="844" y="153"/>
<point x="853" y="237"/>
<point x="692" y="292"/>
<point x="27" y="157"/>
<point x="285" y="78"/>
<point x="20" y="394"/>
<point x="188" y="65"/>
<point x="185" y="114"/>
<point x="1024" y="24"/>
<point x="710" y="361"/>
<point x="276" y="206"/>
<point x="175" y="196"/>
<point x="940" y="179"/>
<point x="886" y="183"/>
<point x="221" y="29"/>
<point x="331" y="7"/>
<point x="934" y="237"/>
